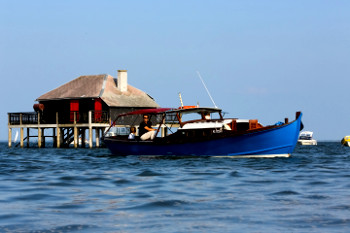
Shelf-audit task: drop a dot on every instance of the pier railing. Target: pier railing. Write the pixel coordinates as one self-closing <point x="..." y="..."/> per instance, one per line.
<point x="25" y="118"/>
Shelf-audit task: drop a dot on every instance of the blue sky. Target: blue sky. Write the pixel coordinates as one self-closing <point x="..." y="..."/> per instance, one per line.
<point x="259" y="59"/>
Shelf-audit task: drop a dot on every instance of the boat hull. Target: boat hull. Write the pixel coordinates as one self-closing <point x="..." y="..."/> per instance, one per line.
<point x="311" y="142"/>
<point x="271" y="142"/>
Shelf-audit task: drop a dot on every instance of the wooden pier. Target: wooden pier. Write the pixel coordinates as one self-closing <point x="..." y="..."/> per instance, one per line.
<point x="63" y="132"/>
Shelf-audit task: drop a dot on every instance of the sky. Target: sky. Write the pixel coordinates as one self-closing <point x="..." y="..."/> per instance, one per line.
<point x="260" y="59"/>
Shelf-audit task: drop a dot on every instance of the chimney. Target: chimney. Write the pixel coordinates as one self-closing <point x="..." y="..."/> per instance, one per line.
<point x="122" y="80"/>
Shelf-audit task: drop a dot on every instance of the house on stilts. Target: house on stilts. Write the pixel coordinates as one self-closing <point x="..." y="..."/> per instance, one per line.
<point x="86" y="104"/>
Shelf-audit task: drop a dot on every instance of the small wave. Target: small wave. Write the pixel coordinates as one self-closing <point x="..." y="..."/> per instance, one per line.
<point x="78" y="205"/>
<point x="96" y="178"/>
<point x="317" y="197"/>
<point x="161" y="204"/>
<point x="141" y="195"/>
<point x="122" y="181"/>
<point x="206" y="173"/>
<point x="235" y="174"/>
<point x="36" y="197"/>
<point x="285" y="193"/>
<point x="9" y="216"/>
<point x="322" y="183"/>
<point x="340" y="207"/>
<point x="267" y="181"/>
<point x="149" y="173"/>
<point x="66" y="228"/>
<point x="69" y="178"/>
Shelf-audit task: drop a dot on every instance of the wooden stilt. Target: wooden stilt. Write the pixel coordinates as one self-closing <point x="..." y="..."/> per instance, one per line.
<point x="75" y="131"/>
<point x="21" y="129"/>
<point x="90" y="130"/>
<point x="97" y="135"/>
<point x="54" y="137"/>
<point x="90" y="137"/>
<point x="10" y="137"/>
<point x="39" y="131"/>
<point x="58" y="137"/>
<point x="9" y="130"/>
<point x="39" y="137"/>
<point x="21" y="137"/>
<point x="43" y="137"/>
<point x="76" y="138"/>
<point x="61" y="135"/>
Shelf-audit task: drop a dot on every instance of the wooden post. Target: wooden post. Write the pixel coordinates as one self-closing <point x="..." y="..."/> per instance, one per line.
<point x="75" y="131"/>
<point x="90" y="130"/>
<point x="76" y="139"/>
<point x="54" y="137"/>
<point x="21" y="136"/>
<point x="39" y="137"/>
<point x="61" y="135"/>
<point x="39" y="131"/>
<point x="21" y="129"/>
<point x="28" y="136"/>
<point x="97" y="135"/>
<point x="9" y="131"/>
<point x="58" y="137"/>
<point x="10" y="137"/>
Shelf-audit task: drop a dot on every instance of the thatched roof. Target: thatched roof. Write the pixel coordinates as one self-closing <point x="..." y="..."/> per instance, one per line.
<point x="100" y="86"/>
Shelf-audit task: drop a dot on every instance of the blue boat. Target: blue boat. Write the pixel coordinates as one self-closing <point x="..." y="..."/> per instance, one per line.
<point x="177" y="133"/>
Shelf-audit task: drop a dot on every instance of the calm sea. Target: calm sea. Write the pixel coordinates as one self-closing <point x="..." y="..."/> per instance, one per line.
<point x="88" y="190"/>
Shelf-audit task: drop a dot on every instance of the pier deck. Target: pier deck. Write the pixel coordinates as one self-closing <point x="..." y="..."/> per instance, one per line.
<point x="64" y="132"/>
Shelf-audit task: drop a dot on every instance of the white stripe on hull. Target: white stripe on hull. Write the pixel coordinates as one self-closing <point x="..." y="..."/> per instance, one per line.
<point x="254" y="156"/>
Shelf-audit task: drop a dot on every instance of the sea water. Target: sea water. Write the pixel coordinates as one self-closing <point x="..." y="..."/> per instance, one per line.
<point x="89" y="190"/>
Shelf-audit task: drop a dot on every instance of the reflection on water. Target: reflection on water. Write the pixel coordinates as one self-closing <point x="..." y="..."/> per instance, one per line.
<point x="88" y="190"/>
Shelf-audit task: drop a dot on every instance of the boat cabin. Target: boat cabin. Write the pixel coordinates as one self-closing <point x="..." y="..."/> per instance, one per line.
<point x="195" y="120"/>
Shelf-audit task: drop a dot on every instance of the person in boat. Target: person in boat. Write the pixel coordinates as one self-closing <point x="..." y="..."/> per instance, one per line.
<point x="207" y="116"/>
<point x="132" y="133"/>
<point x="145" y="129"/>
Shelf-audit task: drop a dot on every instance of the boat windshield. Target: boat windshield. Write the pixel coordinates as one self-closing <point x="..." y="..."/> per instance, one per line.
<point x="305" y="137"/>
<point x="200" y="116"/>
